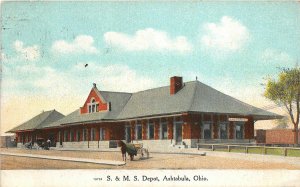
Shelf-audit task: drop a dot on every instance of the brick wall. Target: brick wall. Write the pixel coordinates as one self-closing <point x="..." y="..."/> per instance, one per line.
<point x="132" y="123"/>
<point x="186" y="127"/>
<point x="231" y="130"/>
<point x="93" y="94"/>
<point x="275" y="136"/>
<point x="215" y="128"/>
<point x="144" y="130"/>
<point x="249" y="129"/>
<point x="170" y="128"/>
<point x="156" y="129"/>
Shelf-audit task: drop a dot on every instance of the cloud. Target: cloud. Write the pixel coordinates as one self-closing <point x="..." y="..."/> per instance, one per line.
<point x="114" y="77"/>
<point x="30" y="53"/>
<point x="277" y="57"/>
<point x="81" y="44"/>
<point x="229" y="35"/>
<point x="148" y="39"/>
<point x="45" y="80"/>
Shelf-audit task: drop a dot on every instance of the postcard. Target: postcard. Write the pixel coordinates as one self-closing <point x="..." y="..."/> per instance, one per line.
<point x="144" y="93"/>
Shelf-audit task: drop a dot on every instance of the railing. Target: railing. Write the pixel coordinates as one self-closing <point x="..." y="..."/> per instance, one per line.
<point x="284" y="151"/>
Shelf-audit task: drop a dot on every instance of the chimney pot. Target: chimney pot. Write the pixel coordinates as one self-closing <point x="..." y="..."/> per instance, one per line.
<point x="94" y="85"/>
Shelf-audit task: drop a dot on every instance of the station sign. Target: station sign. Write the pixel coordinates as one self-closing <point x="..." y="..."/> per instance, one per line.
<point x="237" y="119"/>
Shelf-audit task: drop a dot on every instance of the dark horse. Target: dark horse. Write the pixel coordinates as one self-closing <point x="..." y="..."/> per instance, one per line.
<point x="129" y="148"/>
<point x="123" y="149"/>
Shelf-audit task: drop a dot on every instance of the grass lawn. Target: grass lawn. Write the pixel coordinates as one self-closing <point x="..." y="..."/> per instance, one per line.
<point x="295" y="153"/>
<point x="258" y="150"/>
<point x="275" y="151"/>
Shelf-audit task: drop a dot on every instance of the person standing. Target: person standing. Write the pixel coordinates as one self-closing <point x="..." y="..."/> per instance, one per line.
<point x="49" y="143"/>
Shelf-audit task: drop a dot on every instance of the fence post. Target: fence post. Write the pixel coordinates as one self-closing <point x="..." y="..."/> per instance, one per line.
<point x="246" y="149"/>
<point x="212" y="147"/>
<point x="285" y="151"/>
<point x="265" y="150"/>
<point x="228" y="147"/>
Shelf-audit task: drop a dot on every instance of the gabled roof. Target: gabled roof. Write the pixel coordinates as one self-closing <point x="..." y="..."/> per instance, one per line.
<point x="208" y="100"/>
<point x="193" y="97"/>
<point x="39" y="121"/>
<point x="117" y="100"/>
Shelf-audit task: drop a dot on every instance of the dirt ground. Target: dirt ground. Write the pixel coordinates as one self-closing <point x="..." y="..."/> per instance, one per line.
<point x="156" y="161"/>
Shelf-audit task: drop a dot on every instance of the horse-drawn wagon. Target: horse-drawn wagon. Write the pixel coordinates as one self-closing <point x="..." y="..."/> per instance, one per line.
<point x="134" y="150"/>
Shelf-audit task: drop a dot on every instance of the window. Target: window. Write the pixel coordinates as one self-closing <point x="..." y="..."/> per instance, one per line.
<point x="78" y="135"/>
<point x="164" y="130"/>
<point x="65" y="135"/>
<point x="139" y="132"/>
<point x="59" y="136"/>
<point x="206" y="131"/>
<point x="223" y="131"/>
<point x="102" y="134"/>
<point x="72" y="135"/>
<point x="93" y="134"/>
<point x="239" y="130"/>
<point x="84" y="134"/>
<point x="93" y="106"/>
<point x="150" y="131"/>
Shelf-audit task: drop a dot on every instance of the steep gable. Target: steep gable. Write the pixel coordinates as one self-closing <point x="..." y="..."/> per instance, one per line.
<point x="95" y="102"/>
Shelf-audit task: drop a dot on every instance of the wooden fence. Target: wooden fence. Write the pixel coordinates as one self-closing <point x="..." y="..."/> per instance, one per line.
<point x="246" y="148"/>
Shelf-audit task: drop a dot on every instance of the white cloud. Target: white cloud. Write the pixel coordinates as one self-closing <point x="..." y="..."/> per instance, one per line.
<point x="277" y="57"/>
<point x="30" y="53"/>
<point x="114" y="77"/>
<point x="81" y="44"/>
<point x="148" y="39"/>
<point x="229" y="35"/>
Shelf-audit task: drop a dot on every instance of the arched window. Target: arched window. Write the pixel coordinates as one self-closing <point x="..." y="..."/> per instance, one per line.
<point x="93" y="106"/>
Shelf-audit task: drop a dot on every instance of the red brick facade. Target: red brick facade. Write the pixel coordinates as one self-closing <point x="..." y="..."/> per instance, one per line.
<point x="276" y="136"/>
<point x="93" y="95"/>
<point x="191" y="129"/>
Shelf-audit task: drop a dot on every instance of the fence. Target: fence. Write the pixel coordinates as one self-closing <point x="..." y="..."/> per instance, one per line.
<point x="284" y="151"/>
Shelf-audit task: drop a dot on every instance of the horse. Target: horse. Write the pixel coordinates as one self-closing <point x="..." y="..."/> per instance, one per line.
<point x="123" y="149"/>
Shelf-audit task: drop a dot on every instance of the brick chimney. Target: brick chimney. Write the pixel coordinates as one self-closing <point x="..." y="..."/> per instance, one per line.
<point x="175" y="84"/>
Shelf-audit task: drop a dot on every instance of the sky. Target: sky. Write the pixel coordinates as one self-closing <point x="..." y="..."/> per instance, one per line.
<point x="132" y="46"/>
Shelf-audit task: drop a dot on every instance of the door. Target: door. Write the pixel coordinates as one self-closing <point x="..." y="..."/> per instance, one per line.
<point x="60" y="138"/>
<point x="207" y="131"/>
<point x="178" y="133"/>
<point x="128" y="134"/>
<point x="52" y="139"/>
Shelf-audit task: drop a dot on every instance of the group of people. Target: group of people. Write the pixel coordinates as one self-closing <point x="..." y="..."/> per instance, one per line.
<point x="44" y="145"/>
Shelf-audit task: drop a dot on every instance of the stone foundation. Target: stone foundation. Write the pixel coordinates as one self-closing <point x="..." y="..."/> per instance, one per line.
<point x="155" y="145"/>
<point x="85" y="144"/>
<point x="20" y="145"/>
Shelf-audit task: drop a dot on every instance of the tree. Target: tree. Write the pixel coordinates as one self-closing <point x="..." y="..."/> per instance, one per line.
<point x="282" y="123"/>
<point x="286" y="92"/>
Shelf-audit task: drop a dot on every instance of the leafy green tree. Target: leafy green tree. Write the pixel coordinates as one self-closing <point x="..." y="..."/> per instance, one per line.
<point x="286" y="92"/>
<point x="282" y="123"/>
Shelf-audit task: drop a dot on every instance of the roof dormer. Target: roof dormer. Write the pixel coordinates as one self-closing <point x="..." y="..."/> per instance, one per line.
<point x="94" y="102"/>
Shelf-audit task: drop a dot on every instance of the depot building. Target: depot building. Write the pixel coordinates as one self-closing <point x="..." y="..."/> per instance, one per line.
<point x="178" y="115"/>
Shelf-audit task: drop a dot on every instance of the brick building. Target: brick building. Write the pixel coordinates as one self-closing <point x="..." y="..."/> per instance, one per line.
<point x="276" y="136"/>
<point x="162" y="118"/>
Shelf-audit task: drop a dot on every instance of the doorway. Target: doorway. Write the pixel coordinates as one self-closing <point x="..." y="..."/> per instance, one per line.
<point x="178" y="133"/>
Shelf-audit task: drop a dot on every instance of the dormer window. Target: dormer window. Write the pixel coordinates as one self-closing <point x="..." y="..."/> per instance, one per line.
<point x="93" y="106"/>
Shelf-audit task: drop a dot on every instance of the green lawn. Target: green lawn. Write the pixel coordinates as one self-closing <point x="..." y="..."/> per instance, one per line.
<point x="295" y="153"/>
<point x="260" y="150"/>
<point x="256" y="150"/>
<point x="276" y="151"/>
